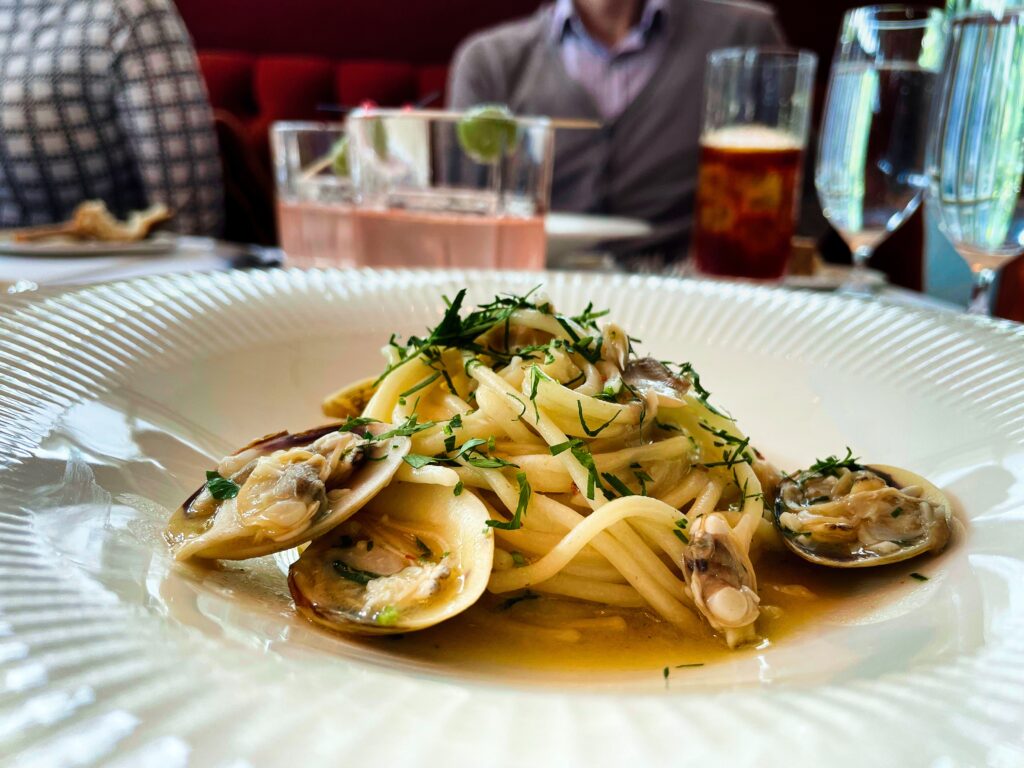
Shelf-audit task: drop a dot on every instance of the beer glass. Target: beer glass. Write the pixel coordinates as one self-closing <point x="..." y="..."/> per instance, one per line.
<point x="871" y="149"/>
<point x="756" y="108"/>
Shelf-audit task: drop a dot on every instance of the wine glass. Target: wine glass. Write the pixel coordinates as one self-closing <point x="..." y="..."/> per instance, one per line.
<point x="871" y="151"/>
<point x="976" y="153"/>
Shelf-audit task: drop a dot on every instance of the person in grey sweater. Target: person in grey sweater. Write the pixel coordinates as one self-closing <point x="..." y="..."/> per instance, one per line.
<point x="635" y="66"/>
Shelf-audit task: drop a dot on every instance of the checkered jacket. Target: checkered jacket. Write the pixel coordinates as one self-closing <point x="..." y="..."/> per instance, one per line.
<point x="103" y="99"/>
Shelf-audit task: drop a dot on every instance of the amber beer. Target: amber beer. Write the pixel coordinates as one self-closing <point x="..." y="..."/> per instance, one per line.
<point x="747" y="191"/>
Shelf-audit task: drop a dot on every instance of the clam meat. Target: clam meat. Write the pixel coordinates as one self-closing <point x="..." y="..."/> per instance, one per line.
<point x="414" y="556"/>
<point x="850" y="515"/>
<point x="283" y="490"/>
<point x="721" y="579"/>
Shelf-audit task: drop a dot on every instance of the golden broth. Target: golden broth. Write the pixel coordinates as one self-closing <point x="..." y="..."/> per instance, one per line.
<point x="548" y="633"/>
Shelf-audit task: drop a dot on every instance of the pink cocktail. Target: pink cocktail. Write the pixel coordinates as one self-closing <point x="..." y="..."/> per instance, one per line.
<point x="314" y="194"/>
<point x="448" y="189"/>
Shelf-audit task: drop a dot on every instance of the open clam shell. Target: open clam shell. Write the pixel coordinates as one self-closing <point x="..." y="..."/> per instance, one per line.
<point x="861" y="516"/>
<point x="413" y="557"/>
<point x="288" y="489"/>
<point x="721" y="579"/>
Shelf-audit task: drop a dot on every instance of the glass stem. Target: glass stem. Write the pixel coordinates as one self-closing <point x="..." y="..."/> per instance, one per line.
<point x="856" y="283"/>
<point x="981" y="292"/>
<point x="861" y="256"/>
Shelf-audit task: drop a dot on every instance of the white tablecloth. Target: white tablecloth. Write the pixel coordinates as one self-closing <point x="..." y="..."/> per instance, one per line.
<point x="192" y="254"/>
<point x="199" y="254"/>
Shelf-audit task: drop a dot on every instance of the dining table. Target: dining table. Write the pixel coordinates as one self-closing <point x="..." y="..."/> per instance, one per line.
<point x="28" y="274"/>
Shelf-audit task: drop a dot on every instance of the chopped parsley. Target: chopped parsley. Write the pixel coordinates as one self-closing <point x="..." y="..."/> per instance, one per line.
<point x="346" y="571"/>
<point x="525" y="492"/>
<point x="387" y="616"/>
<point x="351" y="424"/>
<point x="738" y="455"/>
<point x="918" y="576"/>
<point x="897" y="512"/>
<point x="583" y="422"/>
<point x="407" y="428"/>
<point x="220" y="487"/>
<point x="418" y="460"/>
<point x="582" y="454"/>
<point x="425" y="551"/>
<point x="518" y="559"/>
<point x="457" y="490"/>
<point x="460" y="332"/>
<point x="687" y="370"/>
<point x="425" y="383"/>
<point x="619" y="487"/>
<point x="588" y="316"/>
<point x="641" y="477"/>
<point x="831" y="465"/>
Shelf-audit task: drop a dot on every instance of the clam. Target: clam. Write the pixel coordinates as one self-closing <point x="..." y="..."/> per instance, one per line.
<point x="284" y="489"/>
<point x="413" y="557"/>
<point x="721" y="578"/>
<point x="350" y="400"/>
<point x="652" y="378"/>
<point x="850" y="515"/>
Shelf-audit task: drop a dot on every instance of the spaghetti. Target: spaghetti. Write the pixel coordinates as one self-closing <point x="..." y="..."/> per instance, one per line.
<point x="607" y="477"/>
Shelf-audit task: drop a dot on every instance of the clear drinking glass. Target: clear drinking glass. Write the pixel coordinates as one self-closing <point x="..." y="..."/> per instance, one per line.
<point x="871" y="150"/>
<point x="757" y="103"/>
<point x="976" y="153"/>
<point x="450" y="189"/>
<point x="314" y="193"/>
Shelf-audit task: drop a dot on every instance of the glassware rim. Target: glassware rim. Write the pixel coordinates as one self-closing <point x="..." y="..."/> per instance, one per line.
<point x="923" y="15"/>
<point x="282" y="126"/>
<point x="446" y="116"/>
<point x="799" y="57"/>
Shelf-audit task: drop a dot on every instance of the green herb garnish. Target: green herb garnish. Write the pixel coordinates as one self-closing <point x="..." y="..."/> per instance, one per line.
<point x="407" y="428"/>
<point x="918" y="576"/>
<point x="351" y="424"/>
<point x="353" y="574"/>
<point x="687" y="370"/>
<point x="583" y="456"/>
<point x="583" y="422"/>
<point x="387" y="616"/>
<point x="831" y="465"/>
<point x="418" y="460"/>
<point x="620" y="487"/>
<point x="425" y="551"/>
<point x="525" y="492"/>
<point x="220" y="487"/>
<point x="425" y="383"/>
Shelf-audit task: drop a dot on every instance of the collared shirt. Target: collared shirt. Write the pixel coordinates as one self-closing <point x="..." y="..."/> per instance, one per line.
<point x="612" y="76"/>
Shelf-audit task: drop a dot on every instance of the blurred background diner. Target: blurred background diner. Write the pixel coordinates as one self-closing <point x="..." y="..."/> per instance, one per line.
<point x="142" y="102"/>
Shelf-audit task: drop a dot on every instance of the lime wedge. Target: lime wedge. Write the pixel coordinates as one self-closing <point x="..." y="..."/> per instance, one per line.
<point x="339" y="157"/>
<point x="486" y="131"/>
<point x="380" y="139"/>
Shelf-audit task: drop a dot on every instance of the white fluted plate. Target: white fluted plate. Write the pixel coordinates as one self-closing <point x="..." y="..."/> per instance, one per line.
<point x="115" y="398"/>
